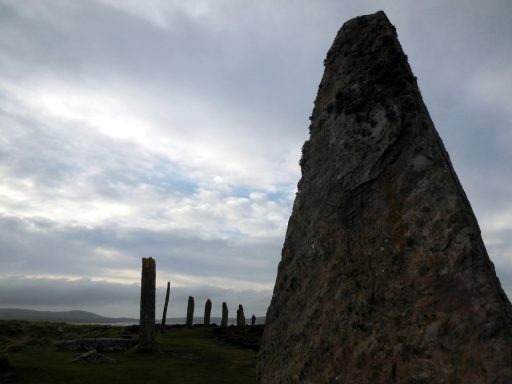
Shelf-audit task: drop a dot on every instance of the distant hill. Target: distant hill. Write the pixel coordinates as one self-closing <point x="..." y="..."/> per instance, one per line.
<point x="66" y="316"/>
<point x="90" y="317"/>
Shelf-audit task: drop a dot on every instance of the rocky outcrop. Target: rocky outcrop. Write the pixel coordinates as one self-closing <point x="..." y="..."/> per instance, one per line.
<point x="384" y="277"/>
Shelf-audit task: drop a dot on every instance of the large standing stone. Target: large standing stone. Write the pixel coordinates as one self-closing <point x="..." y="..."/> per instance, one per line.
<point x="240" y="317"/>
<point x="164" y="315"/>
<point x="207" y="311"/>
<point x="147" y="304"/>
<point x="224" y="320"/>
<point x="384" y="277"/>
<point x="190" y="311"/>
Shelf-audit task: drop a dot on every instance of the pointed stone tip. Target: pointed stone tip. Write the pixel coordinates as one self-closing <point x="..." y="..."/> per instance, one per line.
<point x="380" y="13"/>
<point x="372" y="25"/>
<point x="365" y="61"/>
<point x="377" y="16"/>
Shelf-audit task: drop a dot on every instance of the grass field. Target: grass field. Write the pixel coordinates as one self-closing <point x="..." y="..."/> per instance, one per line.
<point x="182" y="355"/>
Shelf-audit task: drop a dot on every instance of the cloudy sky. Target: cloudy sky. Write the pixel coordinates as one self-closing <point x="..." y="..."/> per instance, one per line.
<point x="173" y="129"/>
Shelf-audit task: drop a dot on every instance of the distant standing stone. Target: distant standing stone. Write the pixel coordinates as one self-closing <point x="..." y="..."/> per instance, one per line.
<point x="240" y="317"/>
<point x="207" y="312"/>
<point x="224" y="321"/>
<point x="147" y="304"/>
<point x="253" y="319"/>
<point x="164" y="316"/>
<point x="190" y="311"/>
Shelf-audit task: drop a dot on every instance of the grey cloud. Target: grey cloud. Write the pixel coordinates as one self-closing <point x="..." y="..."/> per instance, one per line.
<point x="35" y="248"/>
<point x="104" y="45"/>
<point x="258" y="63"/>
<point x="68" y="293"/>
<point x="109" y="299"/>
<point x="55" y="152"/>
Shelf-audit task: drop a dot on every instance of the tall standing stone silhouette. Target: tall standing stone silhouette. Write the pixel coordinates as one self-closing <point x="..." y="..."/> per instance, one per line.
<point x="240" y="317"/>
<point x="207" y="311"/>
<point x="190" y="311"/>
<point x="147" y="304"/>
<point x="224" y="320"/>
<point x="384" y="277"/>
<point x="166" y="303"/>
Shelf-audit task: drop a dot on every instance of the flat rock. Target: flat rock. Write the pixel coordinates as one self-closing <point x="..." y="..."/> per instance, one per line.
<point x="384" y="277"/>
<point x="99" y="344"/>
<point x="93" y="356"/>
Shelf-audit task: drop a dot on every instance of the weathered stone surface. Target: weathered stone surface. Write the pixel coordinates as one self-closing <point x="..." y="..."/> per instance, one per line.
<point x="190" y="311"/>
<point x="384" y="277"/>
<point x="240" y="317"/>
<point x="164" y="315"/>
<point x="207" y="311"/>
<point x="224" y="320"/>
<point x="147" y="304"/>
<point x="93" y="357"/>
<point x="98" y="344"/>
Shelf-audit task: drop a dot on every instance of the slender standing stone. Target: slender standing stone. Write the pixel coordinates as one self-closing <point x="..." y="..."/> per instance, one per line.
<point x="147" y="305"/>
<point x="240" y="317"/>
<point x="164" y="316"/>
<point x="190" y="311"/>
<point x="207" y="312"/>
<point x="224" y="321"/>
<point x="253" y="319"/>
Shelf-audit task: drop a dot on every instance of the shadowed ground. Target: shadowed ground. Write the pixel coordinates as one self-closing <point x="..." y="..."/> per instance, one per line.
<point x="183" y="355"/>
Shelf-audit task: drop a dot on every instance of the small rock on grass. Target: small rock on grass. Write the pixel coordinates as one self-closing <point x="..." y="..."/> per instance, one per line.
<point x="93" y="356"/>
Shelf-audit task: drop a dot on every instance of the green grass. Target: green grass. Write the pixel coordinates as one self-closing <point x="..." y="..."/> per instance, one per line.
<point x="182" y="355"/>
